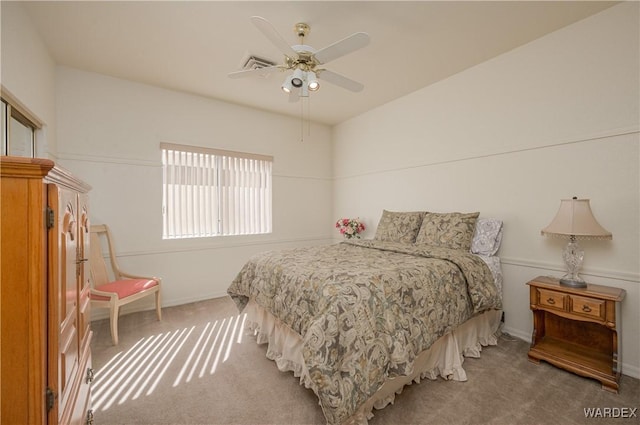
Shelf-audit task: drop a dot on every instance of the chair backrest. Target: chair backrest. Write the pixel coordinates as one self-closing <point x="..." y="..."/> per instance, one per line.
<point x="99" y="271"/>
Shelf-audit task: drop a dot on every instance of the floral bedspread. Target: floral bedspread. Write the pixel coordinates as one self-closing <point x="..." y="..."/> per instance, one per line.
<point x="365" y="308"/>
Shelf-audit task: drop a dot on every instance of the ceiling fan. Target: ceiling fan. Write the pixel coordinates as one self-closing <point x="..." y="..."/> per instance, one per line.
<point x="305" y="61"/>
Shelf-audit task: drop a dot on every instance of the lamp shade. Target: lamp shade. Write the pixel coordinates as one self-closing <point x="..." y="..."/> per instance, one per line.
<point x="575" y="218"/>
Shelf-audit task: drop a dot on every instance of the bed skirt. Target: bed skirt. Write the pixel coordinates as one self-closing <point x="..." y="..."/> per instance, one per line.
<point x="444" y="358"/>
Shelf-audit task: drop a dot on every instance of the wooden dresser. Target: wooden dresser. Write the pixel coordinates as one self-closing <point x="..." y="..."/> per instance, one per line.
<point x="45" y="335"/>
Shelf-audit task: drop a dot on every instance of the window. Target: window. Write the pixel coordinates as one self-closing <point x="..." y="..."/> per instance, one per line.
<point x="18" y="129"/>
<point x="212" y="192"/>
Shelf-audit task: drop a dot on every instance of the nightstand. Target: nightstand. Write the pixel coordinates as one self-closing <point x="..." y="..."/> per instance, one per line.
<point x="577" y="329"/>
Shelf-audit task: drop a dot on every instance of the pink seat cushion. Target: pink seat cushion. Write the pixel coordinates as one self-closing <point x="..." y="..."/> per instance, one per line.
<point x="124" y="288"/>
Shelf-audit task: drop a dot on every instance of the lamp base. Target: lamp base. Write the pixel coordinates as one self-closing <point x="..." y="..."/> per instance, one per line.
<point x="573" y="255"/>
<point x="573" y="283"/>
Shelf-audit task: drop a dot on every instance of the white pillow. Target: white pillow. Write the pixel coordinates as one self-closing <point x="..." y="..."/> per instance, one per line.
<point x="487" y="236"/>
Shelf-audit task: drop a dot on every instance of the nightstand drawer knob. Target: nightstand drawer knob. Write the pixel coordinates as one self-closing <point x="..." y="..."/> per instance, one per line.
<point x="586" y="308"/>
<point x="551" y="301"/>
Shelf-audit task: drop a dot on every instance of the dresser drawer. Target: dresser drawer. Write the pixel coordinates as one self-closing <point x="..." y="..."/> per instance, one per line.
<point x="590" y="307"/>
<point x="551" y="299"/>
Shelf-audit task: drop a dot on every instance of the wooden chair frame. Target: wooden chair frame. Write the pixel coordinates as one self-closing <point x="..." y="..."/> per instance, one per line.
<point x="99" y="276"/>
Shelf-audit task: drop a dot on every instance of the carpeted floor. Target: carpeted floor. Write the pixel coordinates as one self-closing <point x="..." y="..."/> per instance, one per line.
<point x="196" y="366"/>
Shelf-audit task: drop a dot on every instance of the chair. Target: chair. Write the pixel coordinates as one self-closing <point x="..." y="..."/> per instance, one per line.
<point x="123" y="289"/>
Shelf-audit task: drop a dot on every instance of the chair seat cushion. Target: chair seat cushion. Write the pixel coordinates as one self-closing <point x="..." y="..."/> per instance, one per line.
<point x="124" y="288"/>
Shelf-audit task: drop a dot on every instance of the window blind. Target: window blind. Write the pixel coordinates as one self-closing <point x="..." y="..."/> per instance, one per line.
<point x="213" y="192"/>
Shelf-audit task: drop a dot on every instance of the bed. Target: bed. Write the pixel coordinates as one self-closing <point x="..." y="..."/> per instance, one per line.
<point x="356" y="321"/>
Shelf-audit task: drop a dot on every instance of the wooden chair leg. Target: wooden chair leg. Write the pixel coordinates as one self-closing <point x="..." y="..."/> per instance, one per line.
<point x="158" y="302"/>
<point x="115" y="310"/>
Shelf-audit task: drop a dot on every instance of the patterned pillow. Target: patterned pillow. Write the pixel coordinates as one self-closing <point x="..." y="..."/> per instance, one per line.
<point x="487" y="237"/>
<point x="448" y="230"/>
<point x="399" y="226"/>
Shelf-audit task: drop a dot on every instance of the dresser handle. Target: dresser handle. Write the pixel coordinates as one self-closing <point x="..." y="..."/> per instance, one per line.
<point x="90" y="417"/>
<point x="551" y="301"/>
<point x="89" y="376"/>
<point x="586" y="308"/>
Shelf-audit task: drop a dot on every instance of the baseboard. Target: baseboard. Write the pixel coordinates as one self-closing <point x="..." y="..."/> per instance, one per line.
<point x="103" y="313"/>
<point x="630" y="370"/>
<point x="517" y="333"/>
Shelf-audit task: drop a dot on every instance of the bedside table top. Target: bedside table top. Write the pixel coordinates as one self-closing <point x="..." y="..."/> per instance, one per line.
<point x="592" y="290"/>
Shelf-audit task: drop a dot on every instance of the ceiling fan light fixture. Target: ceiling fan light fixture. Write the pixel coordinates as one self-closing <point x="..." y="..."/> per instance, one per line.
<point x="298" y="78"/>
<point x="312" y="81"/>
<point x="287" y="86"/>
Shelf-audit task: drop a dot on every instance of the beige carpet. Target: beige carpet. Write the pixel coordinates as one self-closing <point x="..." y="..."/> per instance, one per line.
<point x="196" y="366"/>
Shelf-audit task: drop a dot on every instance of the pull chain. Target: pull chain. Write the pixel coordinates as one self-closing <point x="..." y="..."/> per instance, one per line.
<point x="301" y="119"/>
<point x="305" y="117"/>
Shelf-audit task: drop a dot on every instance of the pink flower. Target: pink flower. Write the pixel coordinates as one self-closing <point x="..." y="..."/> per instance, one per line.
<point x="350" y="227"/>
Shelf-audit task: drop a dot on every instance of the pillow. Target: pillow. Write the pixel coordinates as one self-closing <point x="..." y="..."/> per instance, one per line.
<point x="487" y="237"/>
<point x="399" y="226"/>
<point x="448" y="230"/>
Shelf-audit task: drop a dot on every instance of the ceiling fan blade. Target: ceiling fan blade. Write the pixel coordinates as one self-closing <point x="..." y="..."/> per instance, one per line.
<point x="253" y="72"/>
<point x="340" y="48"/>
<point x="274" y="36"/>
<point x="339" y="80"/>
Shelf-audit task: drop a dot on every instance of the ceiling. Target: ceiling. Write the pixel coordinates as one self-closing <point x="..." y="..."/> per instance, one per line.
<point x="191" y="46"/>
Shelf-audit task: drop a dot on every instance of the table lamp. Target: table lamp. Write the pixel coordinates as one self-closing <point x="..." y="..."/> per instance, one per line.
<point x="575" y="220"/>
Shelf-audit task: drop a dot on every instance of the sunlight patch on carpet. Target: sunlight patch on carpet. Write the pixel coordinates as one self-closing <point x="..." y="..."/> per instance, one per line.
<point x="131" y="374"/>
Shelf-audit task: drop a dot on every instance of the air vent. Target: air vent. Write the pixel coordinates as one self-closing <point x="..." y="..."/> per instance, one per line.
<point x="254" y="62"/>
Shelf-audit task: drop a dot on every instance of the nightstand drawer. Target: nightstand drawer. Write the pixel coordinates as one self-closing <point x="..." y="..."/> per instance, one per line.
<point x="590" y="307"/>
<point x="551" y="299"/>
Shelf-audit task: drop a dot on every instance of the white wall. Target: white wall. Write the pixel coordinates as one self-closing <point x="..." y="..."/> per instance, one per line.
<point x="28" y="72"/>
<point x="510" y="137"/>
<point x="109" y="132"/>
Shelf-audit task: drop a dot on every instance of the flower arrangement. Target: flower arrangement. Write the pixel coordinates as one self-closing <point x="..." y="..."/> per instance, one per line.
<point x="350" y="227"/>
